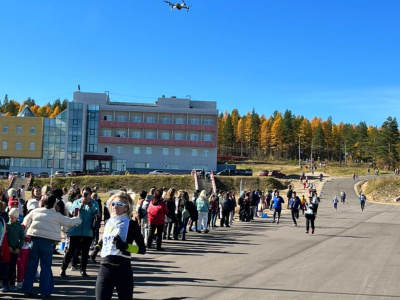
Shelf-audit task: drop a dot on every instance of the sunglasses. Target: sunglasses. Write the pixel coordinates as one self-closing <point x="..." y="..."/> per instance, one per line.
<point x="118" y="204"/>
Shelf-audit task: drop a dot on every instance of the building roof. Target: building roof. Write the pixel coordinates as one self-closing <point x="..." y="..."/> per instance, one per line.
<point x="26" y="112"/>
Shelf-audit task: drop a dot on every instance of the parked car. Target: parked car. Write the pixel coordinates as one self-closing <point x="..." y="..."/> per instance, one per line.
<point x="263" y="173"/>
<point x="43" y="175"/>
<point x="277" y="174"/>
<point x="59" y="174"/>
<point x="14" y="174"/>
<point x="227" y="172"/>
<point x="27" y="175"/>
<point x="158" y="172"/>
<point x="76" y="173"/>
<point x="118" y="173"/>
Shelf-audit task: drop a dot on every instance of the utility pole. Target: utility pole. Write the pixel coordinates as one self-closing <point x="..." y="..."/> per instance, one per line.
<point x="299" y="152"/>
<point x="345" y="152"/>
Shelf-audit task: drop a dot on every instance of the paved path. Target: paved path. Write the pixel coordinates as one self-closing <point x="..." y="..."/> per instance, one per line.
<point x="352" y="255"/>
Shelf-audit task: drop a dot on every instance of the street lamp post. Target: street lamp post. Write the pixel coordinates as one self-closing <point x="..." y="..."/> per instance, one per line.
<point x="299" y="152"/>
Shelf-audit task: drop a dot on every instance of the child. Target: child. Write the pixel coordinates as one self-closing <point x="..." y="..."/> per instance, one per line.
<point x="335" y="202"/>
<point x="16" y="239"/>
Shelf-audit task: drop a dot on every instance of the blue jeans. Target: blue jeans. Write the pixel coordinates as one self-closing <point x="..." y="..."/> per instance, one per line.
<point x="41" y="249"/>
<point x="213" y="218"/>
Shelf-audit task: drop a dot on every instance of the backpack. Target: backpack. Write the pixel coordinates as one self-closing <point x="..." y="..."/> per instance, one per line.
<point x="19" y="193"/>
<point x="225" y="204"/>
<point x="5" y="248"/>
<point x="142" y="211"/>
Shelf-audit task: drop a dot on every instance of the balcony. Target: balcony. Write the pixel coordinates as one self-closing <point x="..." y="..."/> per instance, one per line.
<point x="156" y="142"/>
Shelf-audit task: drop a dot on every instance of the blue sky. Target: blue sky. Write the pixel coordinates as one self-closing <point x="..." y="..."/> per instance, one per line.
<point x="336" y="58"/>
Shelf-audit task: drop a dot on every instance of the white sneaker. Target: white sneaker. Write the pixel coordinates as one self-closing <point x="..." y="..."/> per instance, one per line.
<point x="73" y="268"/>
<point x="19" y="285"/>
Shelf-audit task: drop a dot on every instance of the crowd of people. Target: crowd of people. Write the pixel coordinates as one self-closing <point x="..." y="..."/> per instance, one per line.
<point x="31" y="229"/>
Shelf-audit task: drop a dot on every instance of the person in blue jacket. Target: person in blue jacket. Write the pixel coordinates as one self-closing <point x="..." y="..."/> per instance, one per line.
<point x="81" y="236"/>
<point x="276" y="203"/>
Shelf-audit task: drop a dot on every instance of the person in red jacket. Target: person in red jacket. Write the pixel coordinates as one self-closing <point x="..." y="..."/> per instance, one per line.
<point x="156" y="212"/>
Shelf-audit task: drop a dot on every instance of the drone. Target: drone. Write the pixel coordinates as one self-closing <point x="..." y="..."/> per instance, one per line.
<point x="178" y="6"/>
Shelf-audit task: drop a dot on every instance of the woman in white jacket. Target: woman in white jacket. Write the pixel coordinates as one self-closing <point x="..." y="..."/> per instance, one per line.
<point x="44" y="227"/>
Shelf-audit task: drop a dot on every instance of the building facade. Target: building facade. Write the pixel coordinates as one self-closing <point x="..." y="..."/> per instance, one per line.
<point x="95" y="134"/>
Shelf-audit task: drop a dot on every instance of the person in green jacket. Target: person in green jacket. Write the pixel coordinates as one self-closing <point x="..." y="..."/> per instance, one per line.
<point x="15" y="239"/>
<point x="81" y="236"/>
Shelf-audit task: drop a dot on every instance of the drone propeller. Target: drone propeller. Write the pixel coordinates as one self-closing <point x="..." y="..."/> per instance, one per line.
<point x="183" y="2"/>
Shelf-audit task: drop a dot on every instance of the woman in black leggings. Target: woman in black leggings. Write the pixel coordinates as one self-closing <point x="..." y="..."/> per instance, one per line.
<point x="310" y="216"/>
<point x="116" y="246"/>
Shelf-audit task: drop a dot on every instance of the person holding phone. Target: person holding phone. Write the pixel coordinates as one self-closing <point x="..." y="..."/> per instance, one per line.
<point x="81" y="236"/>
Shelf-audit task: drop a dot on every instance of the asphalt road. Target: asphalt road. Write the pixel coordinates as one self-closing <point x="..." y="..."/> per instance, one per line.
<point x="352" y="255"/>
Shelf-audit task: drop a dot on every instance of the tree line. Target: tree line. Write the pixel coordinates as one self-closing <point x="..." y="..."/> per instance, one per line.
<point x="284" y="136"/>
<point x="13" y="107"/>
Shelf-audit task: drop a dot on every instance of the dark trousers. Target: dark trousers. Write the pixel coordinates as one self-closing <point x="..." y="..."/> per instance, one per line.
<point x="309" y="218"/>
<point x="295" y="215"/>
<point x="277" y="211"/>
<point x="76" y="244"/>
<point x="120" y="277"/>
<point x="152" y="230"/>
<point x="4" y="269"/>
<point x="225" y="219"/>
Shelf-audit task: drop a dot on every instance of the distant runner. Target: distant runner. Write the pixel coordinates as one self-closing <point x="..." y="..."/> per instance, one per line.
<point x="362" y="201"/>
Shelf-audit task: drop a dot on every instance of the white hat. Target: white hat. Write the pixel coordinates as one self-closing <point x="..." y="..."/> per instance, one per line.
<point x="14" y="212"/>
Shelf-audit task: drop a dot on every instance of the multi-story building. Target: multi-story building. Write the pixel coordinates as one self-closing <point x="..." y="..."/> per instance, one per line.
<point x="95" y="134"/>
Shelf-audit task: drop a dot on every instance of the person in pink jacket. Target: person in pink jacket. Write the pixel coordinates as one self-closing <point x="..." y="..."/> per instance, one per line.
<point x="156" y="212"/>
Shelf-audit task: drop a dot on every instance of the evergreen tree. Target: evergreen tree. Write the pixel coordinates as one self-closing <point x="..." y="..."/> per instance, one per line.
<point x="388" y="142"/>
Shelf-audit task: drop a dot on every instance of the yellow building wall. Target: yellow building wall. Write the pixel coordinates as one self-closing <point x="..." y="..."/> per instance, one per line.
<point x="25" y="137"/>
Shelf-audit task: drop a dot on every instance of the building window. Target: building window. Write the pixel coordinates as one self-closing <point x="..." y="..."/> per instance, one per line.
<point x="120" y="149"/>
<point x="165" y="135"/>
<point x="165" y="119"/>
<point x="177" y="152"/>
<point x="91" y="131"/>
<point x="136" y="134"/>
<point x="207" y="137"/>
<point x="74" y="122"/>
<point x="107" y="117"/>
<point x="4" y="145"/>
<point x="5" y="129"/>
<point x="92" y="116"/>
<point x="33" y="129"/>
<point x="106" y="149"/>
<point x="149" y="135"/>
<point x="137" y="119"/>
<point x="19" y="129"/>
<point x="179" y="136"/>
<point x="136" y="150"/>
<point x="141" y="165"/>
<point x="194" y="121"/>
<point x="32" y="146"/>
<point x="165" y="151"/>
<point x="206" y="153"/>
<point x="107" y="133"/>
<point x="148" y="150"/>
<point x="74" y="138"/>
<point x="194" y="152"/>
<point x="18" y="145"/>
<point x="150" y="119"/>
<point x="179" y="120"/>
<point x="194" y="136"/>
<point x="208" y="121"/>
<point x="121" y="118"/>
